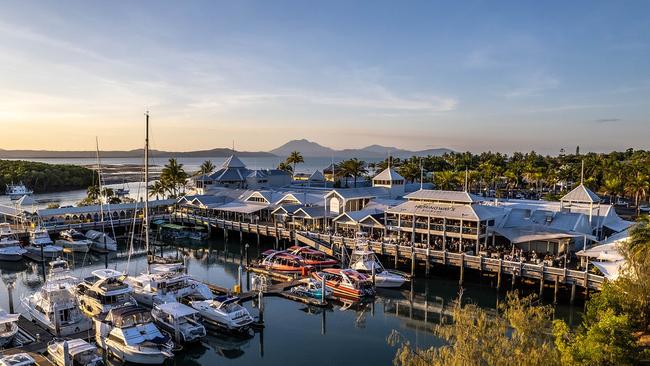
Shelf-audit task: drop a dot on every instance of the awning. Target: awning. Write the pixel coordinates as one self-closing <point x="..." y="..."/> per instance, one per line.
<point x="536" y="233"/>
<point x="242" y="207"/>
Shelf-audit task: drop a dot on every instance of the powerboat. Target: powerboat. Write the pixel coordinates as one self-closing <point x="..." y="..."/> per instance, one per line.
<point x="365" y="261"/>
<point x="180" y="321"/>
<point x="313" y="257"/>
<point x="101" y="241"/>
<point x="224" y="312"/>
<point x="103" y="291"/>
<point x="15" y="191"/>
<point x="167" y="283"/>
<point x="18" y="359"/>
<point x="130" y="334"/>
<point x="346" y="283"/>
<point x="311" y="288"/>
<point x="281" y="261"/>
<point x="41" y="243"/>
<point x="10" y="248"/>
<point x="8" y="327"/>
<point x="80" y="352"/>
<point x="74" y="240"/>
<point x="55" y="305"/>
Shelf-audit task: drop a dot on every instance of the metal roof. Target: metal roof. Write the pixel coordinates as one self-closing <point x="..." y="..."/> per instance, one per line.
<point x="581" y="194"/>
<point x="233" y="162"/>
<point x="476" y="212"/>
<point x="96" y="208"/>
<point x="436" y="195"/>
<point x="388" y="174"/>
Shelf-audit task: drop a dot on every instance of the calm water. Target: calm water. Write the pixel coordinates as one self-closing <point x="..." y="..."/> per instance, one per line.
<point x="295" y="333"/>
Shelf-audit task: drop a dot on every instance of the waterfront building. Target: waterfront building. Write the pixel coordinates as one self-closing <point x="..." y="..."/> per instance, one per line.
<point x="234" y="174"/>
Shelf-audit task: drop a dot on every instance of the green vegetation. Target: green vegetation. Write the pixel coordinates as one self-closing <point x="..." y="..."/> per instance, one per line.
<point x="95" y="196"/>
<point x="207" y="167"/>
<point x="173" y="180"/>
<point x="285" y="166"/>
<point x="295" y="158"/>
<point x="43" y="178"/>
<point x="352" y="168"/>
<point x="613" y="331"/>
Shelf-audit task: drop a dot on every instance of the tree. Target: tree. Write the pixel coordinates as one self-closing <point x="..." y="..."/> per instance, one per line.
<point x="157" y="189"/>
<point x="295" y="158"/>
<point x="207" y="167"/>
<point x="93" y="192"/>
<point x="173" y="177"/>
<point x="410" y="170"/>
<point x="638" y="187"/>
<point x="353" y="168"/>
<point x="285" y="166"/>
<point x="446" y="180"/>
<point x="519" y="336"/>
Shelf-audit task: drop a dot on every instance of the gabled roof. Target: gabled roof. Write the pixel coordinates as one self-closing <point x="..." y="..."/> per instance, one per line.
<point x="317" y="176"/>
<point x="312" y="212"/>
<point x="581" y="194"/>
<point x="230" y="174"/>
<point x="233" y="162"/>
<point x="25" y="201"/>
<point x="286" y="209"/>
<point x="436" y="195"/>
<point x="475" y="212"/>
<point x="362" y="192"/>
<point x="388" y="174"/>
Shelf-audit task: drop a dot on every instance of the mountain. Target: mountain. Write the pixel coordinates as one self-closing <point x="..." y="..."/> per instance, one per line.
<point x="218" y="152"/>
<point x="312" y="149"/>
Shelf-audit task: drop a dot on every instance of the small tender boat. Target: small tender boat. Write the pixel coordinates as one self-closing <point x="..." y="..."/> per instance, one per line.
<point x="224" y="312"/>
<point x="74" y="240"/>
<point x="40" y="243"/>
<point x="180" y="321"/>
<point x="8" y="327"/>
<point x="130" y="334"/>
<point x="15" y="191"/>
<point x="363" y="260"/>
<point x="346" y="282"/>
<point x="312" y="288"/>
<point x="55" y="305"/>
<point x="313" y="257"/>
<point x="17" y="359"/>
<point x="282" y="261"/>
<point x="80" y="352"/>
<point x="101" y="241"/>
<point x="103" y="291"/>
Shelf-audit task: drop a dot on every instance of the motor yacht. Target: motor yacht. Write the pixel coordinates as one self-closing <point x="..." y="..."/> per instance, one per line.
<point x="40" y="243"/>
<point x="346" y="283"/>
<point x="103" y="291"/>
<point x="10" y="248"/>
<point x="180" y="321"/>
<point x="74" y="241"/>
<point x="16" y="191"/>
<point x="130" y="334"/>
<point x="18" y="359"/>
<point x="363" y="260"/>
<point x="313" y="257"/>
<point x="281" y="261"/>
<point x="8" y="327"/>
<point x="101" y="241"/>
<point x="79" y="353"/>
<point x="167" y="283"/>
<point x="224" y="312"/>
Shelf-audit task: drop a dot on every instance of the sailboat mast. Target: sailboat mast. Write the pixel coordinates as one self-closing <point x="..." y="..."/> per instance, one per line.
<point x="99" y="185"/>
<point x="146" y="188"/>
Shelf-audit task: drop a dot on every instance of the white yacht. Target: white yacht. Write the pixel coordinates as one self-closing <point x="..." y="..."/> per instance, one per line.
<point x="17" y="359"/>
<point x="167" y="283"/>
<point x="224" y="312"/>
<point x="80" y="353"/>
<point x="363" y="260"/>
<point x="55" y="305"/>
<point x="15" y="191"/>
<point x="129" y="333"/>
<point x="39" y="238"/>
<point x="103" y="291"/>
<point x="173" y="317"/>
<point x="74" y="240"/>
<point x="8" y="327"/>
<point x="101" y="241"/>
<point x="10" y="248"/>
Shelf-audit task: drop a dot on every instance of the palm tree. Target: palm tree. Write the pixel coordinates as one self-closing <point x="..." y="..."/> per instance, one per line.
<point x="295" y="158"/>
<point x="638" y="245"/>
<point x="353" y="168"/>
<point x="157" y="189"/>
<point x="409" y="170"/>
<point x="446" y="180"/>
<point x="638" y="186"/>
<point x="93" y="192"/>
<point x="612" y="186"/>
<point x="173" y="176"/>
<point x="285" y="166"/>
<point x="207" y="167"/>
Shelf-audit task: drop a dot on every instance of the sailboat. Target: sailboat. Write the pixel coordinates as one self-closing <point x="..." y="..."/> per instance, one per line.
<point x="100" y="241"/>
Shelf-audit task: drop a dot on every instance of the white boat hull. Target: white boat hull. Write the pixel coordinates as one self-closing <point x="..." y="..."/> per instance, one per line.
<point x="77" y="247"/>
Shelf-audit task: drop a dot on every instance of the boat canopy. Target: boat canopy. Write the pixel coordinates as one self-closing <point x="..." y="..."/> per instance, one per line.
<point x="225" y="299"/>
<point x="77" y="346"/>
<point x="176" y="309"/>
<point x="103" y="274"/>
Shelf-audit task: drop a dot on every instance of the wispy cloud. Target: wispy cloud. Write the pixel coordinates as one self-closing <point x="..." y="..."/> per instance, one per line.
<point x="607" y="120"/>
<point x="534" y="84"/>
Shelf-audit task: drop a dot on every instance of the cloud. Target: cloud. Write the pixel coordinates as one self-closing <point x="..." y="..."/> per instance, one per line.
<point x="534" y="84"/>
<point x="607" y="120"/>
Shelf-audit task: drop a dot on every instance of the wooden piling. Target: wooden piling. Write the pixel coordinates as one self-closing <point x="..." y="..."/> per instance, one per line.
<point x="557" y="285"/>
<point x="541" y="286"/>
<point x="462" y="268"/>
<point x="499" y="274"/>
<point x="573" y="293"/>
<point x="412" y="263"/>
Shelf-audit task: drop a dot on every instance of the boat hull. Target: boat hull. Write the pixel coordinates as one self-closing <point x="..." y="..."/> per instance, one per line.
<point x="76" y="247"/>
<point x="14" y="257"/>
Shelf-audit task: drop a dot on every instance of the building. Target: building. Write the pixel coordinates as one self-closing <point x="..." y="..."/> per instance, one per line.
<point x="234" y="174"/>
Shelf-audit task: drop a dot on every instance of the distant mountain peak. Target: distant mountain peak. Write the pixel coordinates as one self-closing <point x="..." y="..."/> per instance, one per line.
<point x="309" y="148"/>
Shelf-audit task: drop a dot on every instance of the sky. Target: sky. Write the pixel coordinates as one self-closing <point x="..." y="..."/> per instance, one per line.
<point x="467" y="75"/>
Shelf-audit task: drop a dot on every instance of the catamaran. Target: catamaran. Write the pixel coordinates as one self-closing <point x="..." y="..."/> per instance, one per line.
<point x="180" y="321"/>
<point x="55" y="305"/>
<point x="80" y="352"/>
<point x="130" y="334"/>
<point x="41" y="244"/>
<point x="224" y="312"/>
<point x="103" y="291"/>
<point x="74" y="240"/>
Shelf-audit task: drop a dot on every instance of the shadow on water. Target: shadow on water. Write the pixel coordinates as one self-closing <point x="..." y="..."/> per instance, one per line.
<point x="343" y="334"/>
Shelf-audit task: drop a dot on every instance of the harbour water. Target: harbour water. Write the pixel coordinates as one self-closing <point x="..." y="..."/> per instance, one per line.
<point x="295" y="333"/>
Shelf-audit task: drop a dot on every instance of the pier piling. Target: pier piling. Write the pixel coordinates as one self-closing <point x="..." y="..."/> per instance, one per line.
<point x="541" y="286"/>
<point x="462" y="268"/>
<point x="412" y="263"/>
<point x="499" y="274"/>
<point x="557" y="285"/>
<point x="573" y="293"/>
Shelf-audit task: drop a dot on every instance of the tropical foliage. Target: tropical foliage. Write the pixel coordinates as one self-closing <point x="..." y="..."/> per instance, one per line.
<point x="207" y="167"/>
<point x="173" y="177"/>
<point x="42" y="177"/>
<point x="294" y="158"/>
<point x="352" y="168"/>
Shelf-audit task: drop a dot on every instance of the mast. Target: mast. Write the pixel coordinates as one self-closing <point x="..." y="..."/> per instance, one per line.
<point x="145" y="225"/>
<point x="101" y="203"/>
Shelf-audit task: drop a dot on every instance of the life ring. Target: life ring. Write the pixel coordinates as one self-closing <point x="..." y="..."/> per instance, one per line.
<point x="193" y="286"/>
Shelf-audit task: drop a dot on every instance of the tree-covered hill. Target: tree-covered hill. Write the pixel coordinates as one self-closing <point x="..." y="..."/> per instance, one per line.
<point x="42" y="177"/>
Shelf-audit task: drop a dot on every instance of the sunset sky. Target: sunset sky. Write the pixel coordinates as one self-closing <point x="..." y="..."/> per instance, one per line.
<point x="468" y="75"/>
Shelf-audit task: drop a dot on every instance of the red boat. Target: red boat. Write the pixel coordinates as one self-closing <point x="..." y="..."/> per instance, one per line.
<point x="281" y="261"/>
<point x="346" y="283"/>
<point x="313" y="257"/>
